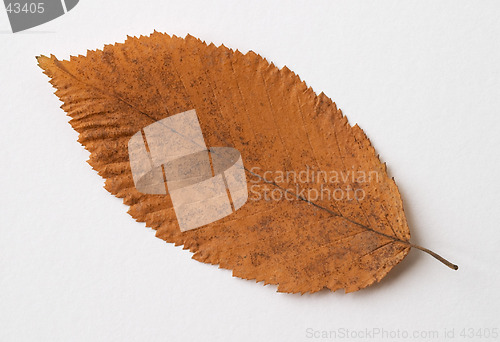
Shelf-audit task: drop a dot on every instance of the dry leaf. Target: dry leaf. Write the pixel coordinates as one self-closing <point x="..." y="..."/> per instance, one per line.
<point x="280" y="127"/>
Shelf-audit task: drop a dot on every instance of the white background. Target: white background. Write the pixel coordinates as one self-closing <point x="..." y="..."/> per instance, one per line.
<point x="422" y="78"/>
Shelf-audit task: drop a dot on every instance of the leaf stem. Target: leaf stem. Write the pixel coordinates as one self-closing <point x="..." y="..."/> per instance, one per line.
<point x="435" y="255"/>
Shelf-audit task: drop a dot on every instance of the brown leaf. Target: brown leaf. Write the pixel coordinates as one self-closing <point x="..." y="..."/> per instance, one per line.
<point x="279" y="125"/>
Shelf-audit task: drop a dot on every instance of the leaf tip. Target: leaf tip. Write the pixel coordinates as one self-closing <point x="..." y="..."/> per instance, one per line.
<point x="43" y="60"/>
<point x="40" y="57"/>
